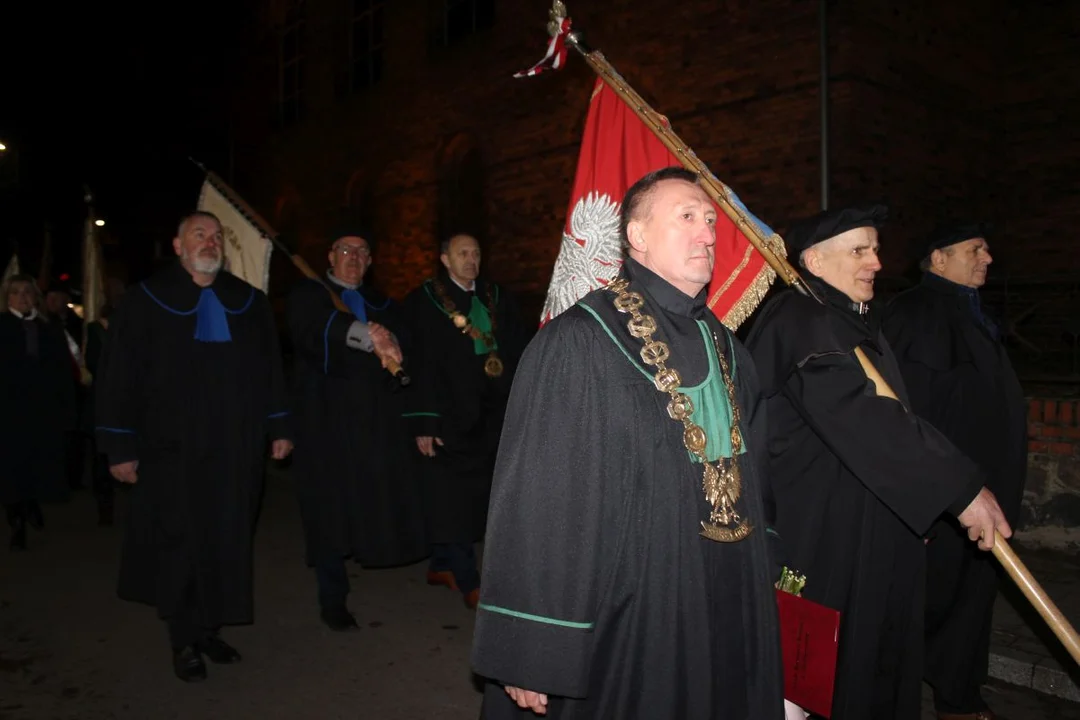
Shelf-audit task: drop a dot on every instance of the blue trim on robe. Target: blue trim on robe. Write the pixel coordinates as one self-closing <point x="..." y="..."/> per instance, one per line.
<point x="205" y="331"/>
<point x="326" y="344"/>
<point x="122" y="431"/>
<point x="357" y="303"/>
<point x="277" y="415"/>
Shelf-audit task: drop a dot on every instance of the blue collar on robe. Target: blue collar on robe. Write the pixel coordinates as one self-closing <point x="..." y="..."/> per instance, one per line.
<point x="211" y="321"/>
<point x="356" y="303"/>
<point x="354" y="299"/>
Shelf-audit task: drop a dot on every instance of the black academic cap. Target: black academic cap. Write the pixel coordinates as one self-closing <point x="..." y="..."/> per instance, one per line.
<point x="807" y="232"/>
<point x="948" y="234"/>
<point x="344" y="224"/>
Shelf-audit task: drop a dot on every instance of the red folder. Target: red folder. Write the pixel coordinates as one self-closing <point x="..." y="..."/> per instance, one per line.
<point x="809" y="638"/>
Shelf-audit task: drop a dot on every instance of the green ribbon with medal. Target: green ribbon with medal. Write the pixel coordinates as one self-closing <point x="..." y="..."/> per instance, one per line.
<point x="721" y="482"/>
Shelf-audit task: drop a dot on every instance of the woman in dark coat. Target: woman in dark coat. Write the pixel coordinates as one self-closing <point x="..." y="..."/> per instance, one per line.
<point x="37" y="392"/>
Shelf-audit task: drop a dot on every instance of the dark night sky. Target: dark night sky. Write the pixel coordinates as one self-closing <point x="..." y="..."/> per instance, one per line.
<point x="117" y="100"/>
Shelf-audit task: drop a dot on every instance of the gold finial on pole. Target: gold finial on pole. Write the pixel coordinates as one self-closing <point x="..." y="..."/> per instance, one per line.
<point x="557" y="13"/>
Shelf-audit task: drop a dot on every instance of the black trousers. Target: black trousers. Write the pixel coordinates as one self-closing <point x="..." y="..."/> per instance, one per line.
<point x="104" y="485"/>
<point x="961" y="586"/>
<point x="75" y="458"/>
<point x="333" y="581"/>
<point x="460" y="559"/>
<point x="185" y="624"/>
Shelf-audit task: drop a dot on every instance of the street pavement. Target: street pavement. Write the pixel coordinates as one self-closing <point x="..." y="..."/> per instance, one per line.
<point x="71" y="650"/>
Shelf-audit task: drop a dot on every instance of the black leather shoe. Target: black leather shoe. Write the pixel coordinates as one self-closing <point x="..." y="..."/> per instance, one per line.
<point x="338" y="619"/>
<point x="188" y="664"/>
<point x="219" y="651"/>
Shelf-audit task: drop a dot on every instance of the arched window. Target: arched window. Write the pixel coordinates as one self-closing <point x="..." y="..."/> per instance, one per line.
<point x="462" y="203"/>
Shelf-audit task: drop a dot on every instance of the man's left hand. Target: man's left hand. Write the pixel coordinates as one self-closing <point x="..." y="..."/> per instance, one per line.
<point x="280" y="449"/>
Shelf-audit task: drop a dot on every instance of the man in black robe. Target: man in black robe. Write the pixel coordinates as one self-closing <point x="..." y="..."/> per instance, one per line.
<point x="602" y="596"/>
<point x="858" y="479"/>
<point x="466" y="341"/>
<point x="355" y="462"/>
<point x="190" y="393"/>
<point x="959" y="378"/>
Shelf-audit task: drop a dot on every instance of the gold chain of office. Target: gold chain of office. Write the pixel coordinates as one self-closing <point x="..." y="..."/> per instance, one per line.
<point x="721" y="482"/>
<point x="493" y="366"/>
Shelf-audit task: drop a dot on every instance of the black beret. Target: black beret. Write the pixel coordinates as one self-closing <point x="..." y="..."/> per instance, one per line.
<point x="807" y="232"/>
<point x="345" y="224"/>
<point x="948" y="234"/>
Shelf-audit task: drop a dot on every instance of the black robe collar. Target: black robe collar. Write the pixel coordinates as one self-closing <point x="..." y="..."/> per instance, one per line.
<point x="461" y="298"/>
<point x="864" y="317"/>
<point x="677" y="316"/>
<point x="663" y="293"/>
<point x="964" y="298"/>
<point x="174" y="289"/>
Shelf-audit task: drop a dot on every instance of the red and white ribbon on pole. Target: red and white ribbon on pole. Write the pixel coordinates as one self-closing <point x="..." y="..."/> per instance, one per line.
<point x="556" y="52"/>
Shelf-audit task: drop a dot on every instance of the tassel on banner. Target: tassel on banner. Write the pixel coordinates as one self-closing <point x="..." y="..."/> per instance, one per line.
<point x="555" y="59"/>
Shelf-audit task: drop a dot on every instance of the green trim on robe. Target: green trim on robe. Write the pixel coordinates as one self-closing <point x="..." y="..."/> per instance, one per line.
<point x="711" y="408"/>
<point x="536" y="618"/>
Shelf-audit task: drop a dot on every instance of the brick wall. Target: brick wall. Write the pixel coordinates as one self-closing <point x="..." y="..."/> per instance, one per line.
<point x="1052" y="491"/>
<point x="1041" y="99"/>
<point x="739" y="84"/>
<point x="931" y="111"/>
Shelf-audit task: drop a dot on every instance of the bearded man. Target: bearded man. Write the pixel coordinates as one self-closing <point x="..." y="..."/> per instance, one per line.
<point x="190" y="396"/>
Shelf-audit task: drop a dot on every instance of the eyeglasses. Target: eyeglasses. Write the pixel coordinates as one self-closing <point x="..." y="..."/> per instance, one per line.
<point x="353" y="251"/>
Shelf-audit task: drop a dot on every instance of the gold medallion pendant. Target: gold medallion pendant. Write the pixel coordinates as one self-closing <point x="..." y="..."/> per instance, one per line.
<point x="493" y="366"/>
<point x="721" y="482"/>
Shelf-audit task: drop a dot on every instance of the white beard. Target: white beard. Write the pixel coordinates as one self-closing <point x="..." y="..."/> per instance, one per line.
<point x="205" y="265"/>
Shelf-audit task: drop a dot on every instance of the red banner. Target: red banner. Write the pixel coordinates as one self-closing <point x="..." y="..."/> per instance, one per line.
<point x="617" y="149"/>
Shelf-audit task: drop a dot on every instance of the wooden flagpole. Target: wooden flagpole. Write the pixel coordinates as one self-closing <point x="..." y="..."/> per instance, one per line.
<point x="1016" y="569"/>
<point x="265" y="228"/>
<point x="719" y="192"/>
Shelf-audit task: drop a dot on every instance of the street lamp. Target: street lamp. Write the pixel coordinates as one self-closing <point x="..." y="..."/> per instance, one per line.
<point x="3" y="147"/>
<point x="99" y="223"/>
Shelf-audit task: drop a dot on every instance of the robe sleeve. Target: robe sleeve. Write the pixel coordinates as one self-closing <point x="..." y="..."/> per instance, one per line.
<point x="903" y="460"/>
<point x="553" y="526"/>
<point x="319" y="331"/>
<point x="278" y="425"/>
<point x="512" y="330"/>
<point x="118" y="395"/>
<point x="753" y="402"/>
<point x="944" y="386"/>
<point x="421" y="407"/>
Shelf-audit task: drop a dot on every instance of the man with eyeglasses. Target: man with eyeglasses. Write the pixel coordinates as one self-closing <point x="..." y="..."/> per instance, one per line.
<point x="354" y="459"/>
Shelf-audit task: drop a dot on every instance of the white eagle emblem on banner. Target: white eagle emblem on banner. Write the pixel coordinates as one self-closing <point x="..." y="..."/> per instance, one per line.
<point x="590" y="255"/>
